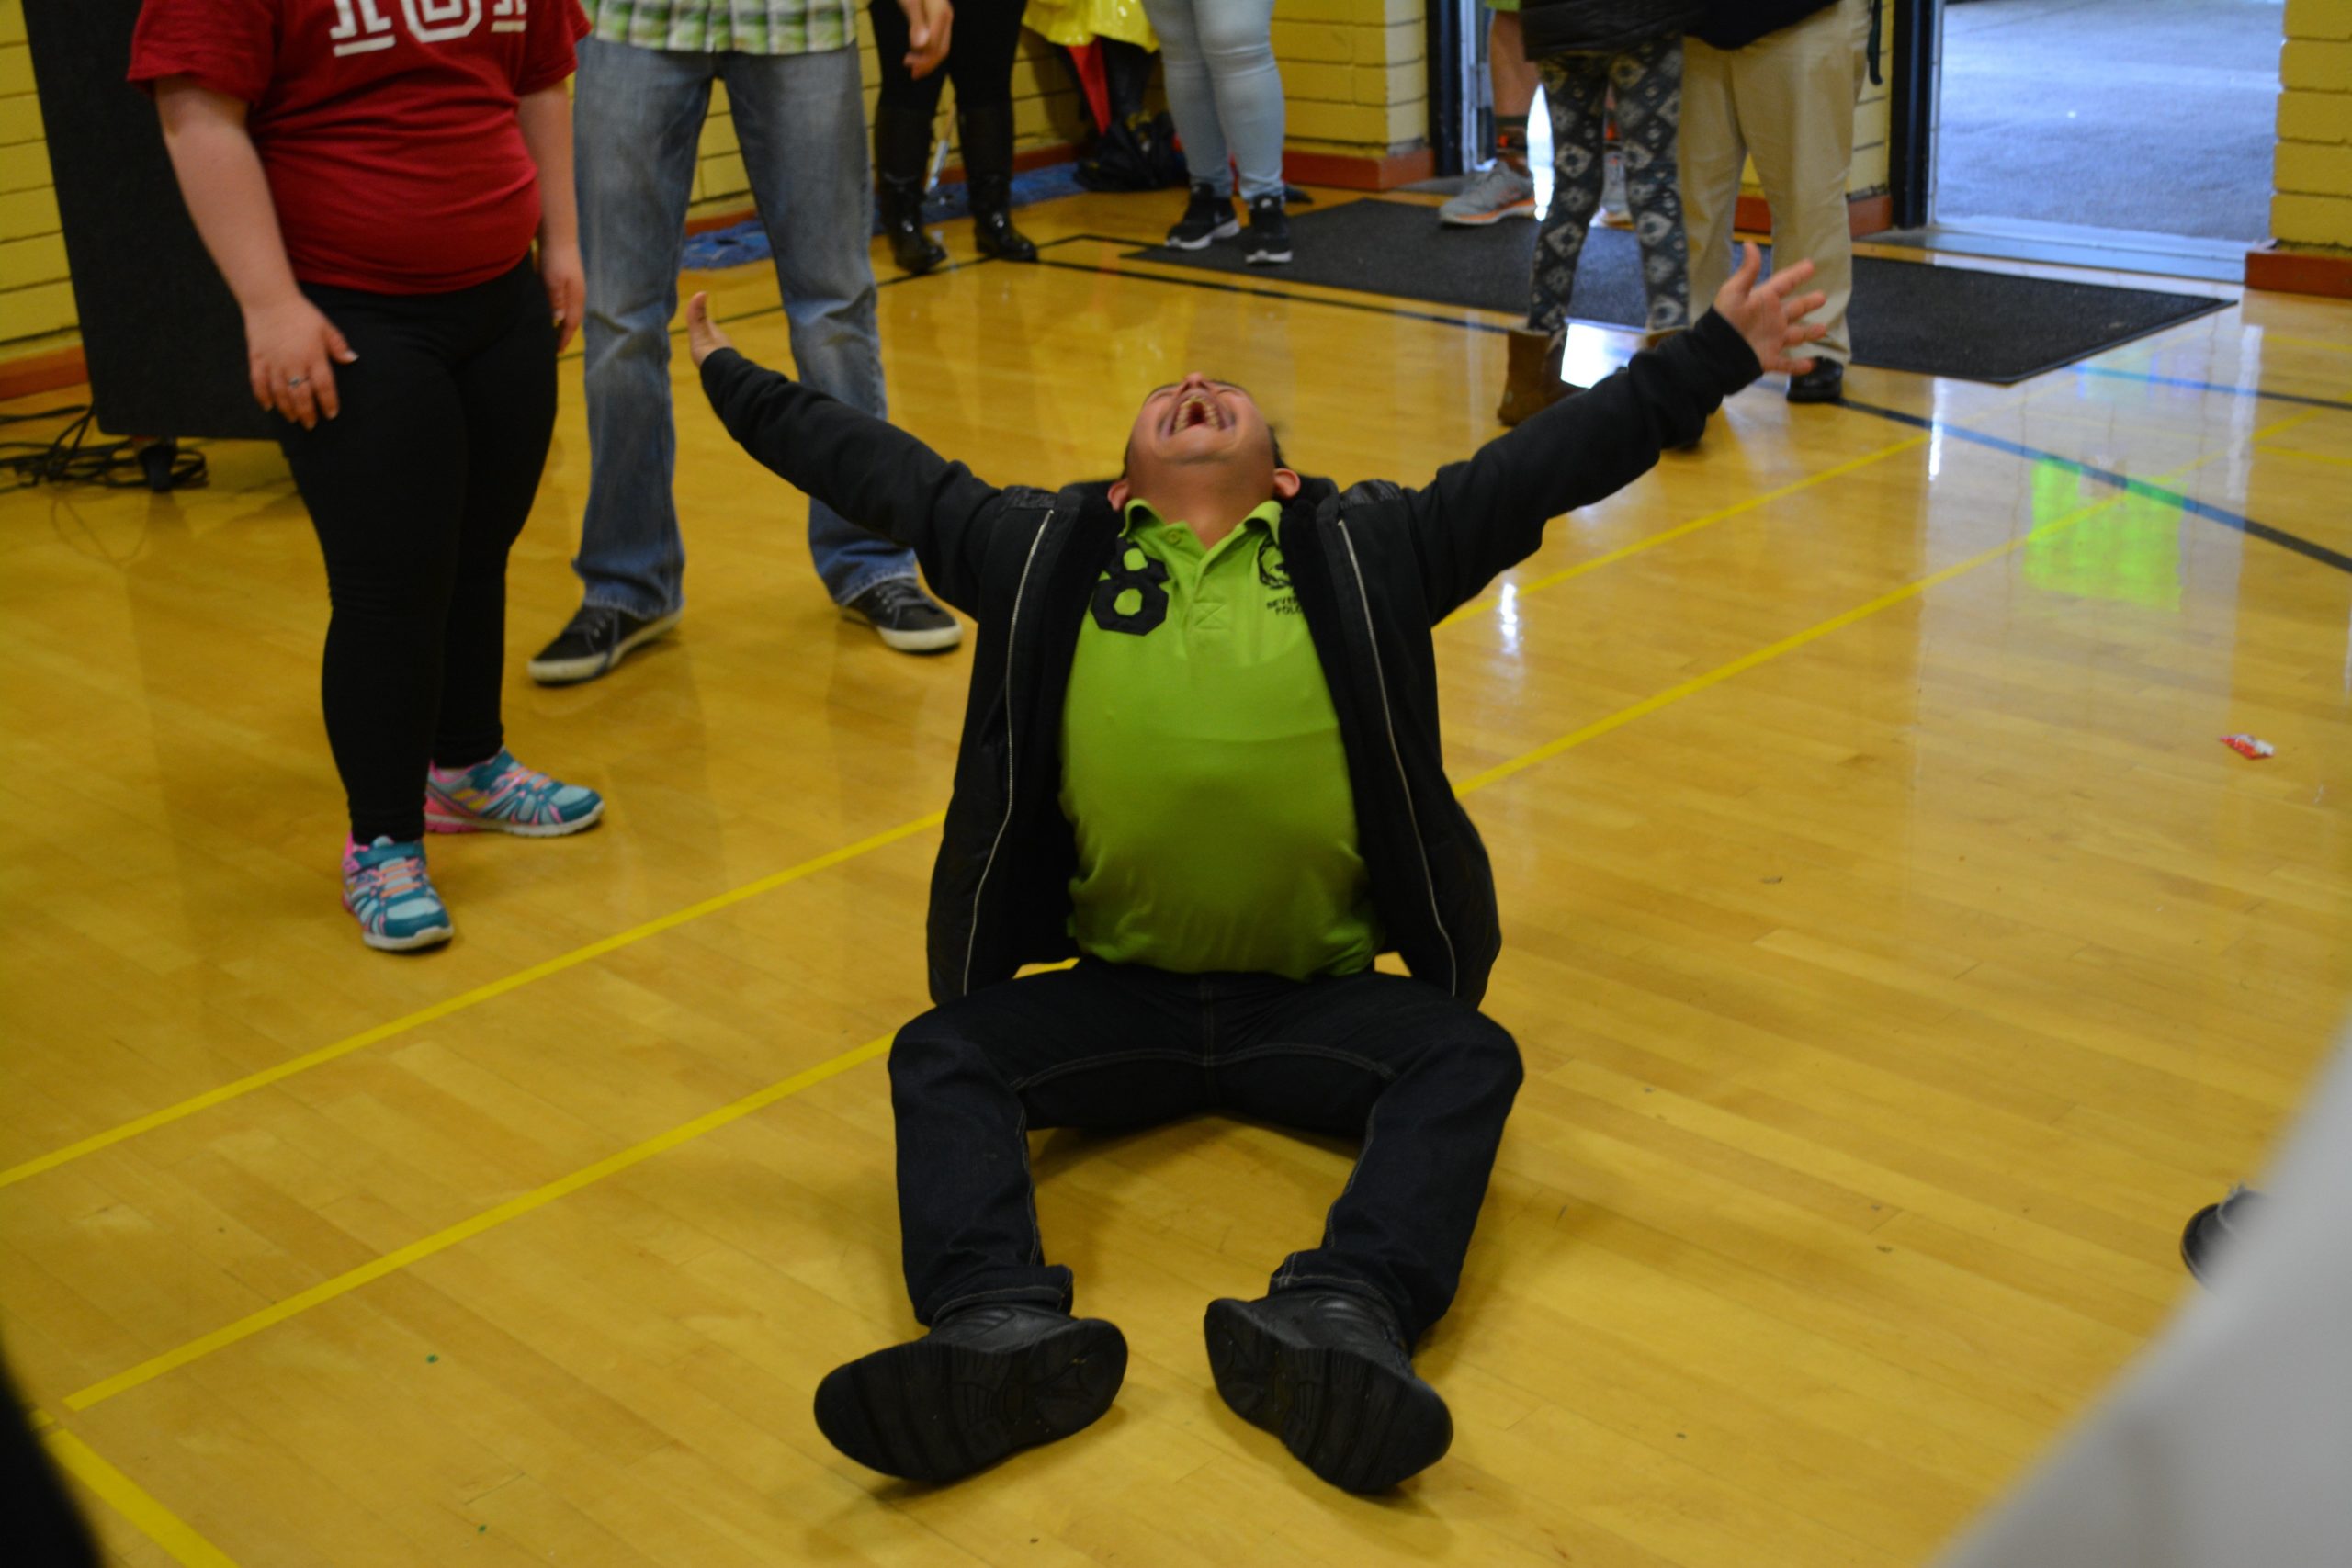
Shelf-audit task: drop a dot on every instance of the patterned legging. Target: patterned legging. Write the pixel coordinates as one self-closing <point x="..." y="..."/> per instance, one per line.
<point x="1648" y="80"/>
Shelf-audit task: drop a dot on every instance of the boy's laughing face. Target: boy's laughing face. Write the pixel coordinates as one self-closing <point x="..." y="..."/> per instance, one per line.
<point x="1199" y="423"/>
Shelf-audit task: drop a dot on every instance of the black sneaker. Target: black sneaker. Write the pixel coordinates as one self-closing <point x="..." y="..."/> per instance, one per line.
<point x="905" y="616"/>
<point x="1269" y="232"/>
<point x="599" y="636"/>
<point x="1328" y="1374"/>
<point x="1824" y="383"/>
<point x="1207" y="217"/>
<point x="2215" y="1228"/>
<point x="983" y="1385"/>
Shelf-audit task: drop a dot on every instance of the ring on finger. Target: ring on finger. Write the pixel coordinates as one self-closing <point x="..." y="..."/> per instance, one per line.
<point x="295" y="380"/>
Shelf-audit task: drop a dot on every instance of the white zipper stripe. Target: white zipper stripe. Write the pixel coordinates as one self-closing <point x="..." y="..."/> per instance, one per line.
<point x="1429" y="880"/>
<point x="1012" y="757"/>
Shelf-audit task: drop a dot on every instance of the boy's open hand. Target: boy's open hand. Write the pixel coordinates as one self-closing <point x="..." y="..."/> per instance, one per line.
<point x="1768" y="315"/>
<point x="703" y="336"/>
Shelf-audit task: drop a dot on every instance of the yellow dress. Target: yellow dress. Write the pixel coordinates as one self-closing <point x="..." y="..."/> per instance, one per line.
<point x="1074" y="22"/>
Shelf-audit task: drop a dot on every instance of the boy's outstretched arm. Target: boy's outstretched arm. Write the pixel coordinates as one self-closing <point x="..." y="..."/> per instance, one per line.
<point x="1479" y="516"/>
<point x="865" y="469"/>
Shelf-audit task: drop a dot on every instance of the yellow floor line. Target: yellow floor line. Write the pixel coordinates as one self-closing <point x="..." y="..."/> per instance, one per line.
<point x="1485" y="601"/>
<point x="1836" y="623"/>
<point x="2330" y="345"/>
<point x="461" y="1001"/>
<point x="1489" y="600"/>
<point x="441" y="1240"/>
<point x="133" y="1502"/>
<point x="2312" y="456"/>
<point x="380" y="1033"/>
<point x="577" y="956"/>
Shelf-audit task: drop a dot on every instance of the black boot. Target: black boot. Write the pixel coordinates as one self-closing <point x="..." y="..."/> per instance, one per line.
<point x="983" y="1383"/>
<point x="901" y="163"/>
<point x="1326" y="1371"/>
<point x="986" y="131"/>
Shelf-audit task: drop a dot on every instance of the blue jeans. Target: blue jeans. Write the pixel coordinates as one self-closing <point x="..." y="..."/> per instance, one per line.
<point x="1224" y="90"/>
<point x="637" y="122"/>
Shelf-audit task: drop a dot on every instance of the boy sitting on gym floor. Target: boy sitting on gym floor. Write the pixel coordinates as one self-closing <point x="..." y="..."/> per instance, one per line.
<point x="1201" y="756"/>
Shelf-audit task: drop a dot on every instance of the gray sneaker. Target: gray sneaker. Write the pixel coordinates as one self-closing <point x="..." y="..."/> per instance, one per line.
<point x="1497" y="192"/>
<point x="904" y="616"/>
<point x="598" y="636"/>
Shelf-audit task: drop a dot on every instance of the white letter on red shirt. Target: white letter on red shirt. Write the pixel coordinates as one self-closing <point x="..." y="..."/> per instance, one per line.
<point x="349" y="25"/>
<point x="438" y="21"/>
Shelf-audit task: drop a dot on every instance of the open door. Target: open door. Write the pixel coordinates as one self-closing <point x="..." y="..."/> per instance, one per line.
<point x="2130" y="134"/>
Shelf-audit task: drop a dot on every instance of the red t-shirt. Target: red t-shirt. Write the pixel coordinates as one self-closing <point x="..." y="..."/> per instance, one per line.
<point x="388" y="128"/>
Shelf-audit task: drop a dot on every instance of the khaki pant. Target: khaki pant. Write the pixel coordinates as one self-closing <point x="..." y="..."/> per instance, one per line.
<point x="1788" y="100"/>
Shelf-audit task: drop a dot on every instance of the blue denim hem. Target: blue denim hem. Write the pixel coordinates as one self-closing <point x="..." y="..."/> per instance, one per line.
<point x="866" y="579"/>
<point x="594" y="600"/>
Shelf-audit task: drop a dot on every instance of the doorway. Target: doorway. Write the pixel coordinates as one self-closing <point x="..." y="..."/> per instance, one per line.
<point x="2138" y="133"/>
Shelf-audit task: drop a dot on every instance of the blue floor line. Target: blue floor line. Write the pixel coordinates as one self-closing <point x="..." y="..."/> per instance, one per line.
<point x="2212" y="387"/>
<point x="2308" y="548"/>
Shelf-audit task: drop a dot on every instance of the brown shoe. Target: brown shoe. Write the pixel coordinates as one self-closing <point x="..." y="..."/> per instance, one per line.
<point x="1531" y="383"/>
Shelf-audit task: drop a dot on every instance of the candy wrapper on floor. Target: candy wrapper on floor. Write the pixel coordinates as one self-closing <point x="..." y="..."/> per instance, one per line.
<point x="2247" y="745"/>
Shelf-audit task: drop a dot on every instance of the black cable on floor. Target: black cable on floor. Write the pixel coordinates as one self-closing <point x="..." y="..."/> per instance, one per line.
<point x="71" y="459"/>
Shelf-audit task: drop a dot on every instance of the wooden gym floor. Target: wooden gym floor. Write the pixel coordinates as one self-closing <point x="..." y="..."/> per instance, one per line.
<point x="1898" y="957"/>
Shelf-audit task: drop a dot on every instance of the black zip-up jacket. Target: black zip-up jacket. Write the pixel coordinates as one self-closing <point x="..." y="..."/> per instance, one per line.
<point x="1375" y="567"/>
<point x="1735" y="24"/>
<point x="1580" y="26"/>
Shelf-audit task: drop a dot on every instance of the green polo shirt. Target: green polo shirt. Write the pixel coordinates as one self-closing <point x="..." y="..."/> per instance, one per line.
<point x="1201" y="768"/>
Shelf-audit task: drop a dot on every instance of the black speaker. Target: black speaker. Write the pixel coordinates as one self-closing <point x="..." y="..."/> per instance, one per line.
<point x="163" y="337"/>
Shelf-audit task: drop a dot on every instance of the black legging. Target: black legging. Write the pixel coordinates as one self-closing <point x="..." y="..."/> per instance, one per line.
<point x="416" y="492"/>
<point x="979" y="58"/>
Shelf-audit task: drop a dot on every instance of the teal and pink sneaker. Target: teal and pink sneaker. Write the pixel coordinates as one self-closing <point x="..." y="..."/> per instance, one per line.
<point x="384" y="883"/>
<point x="501" y="796"/>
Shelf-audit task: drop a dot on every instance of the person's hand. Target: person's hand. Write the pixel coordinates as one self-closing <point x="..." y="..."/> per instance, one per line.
<point x="1768" y="315"/>
<point x="703" y="336"/>
<point x="928" y="24"/>
<point x="567" y="286"/>
<point x="291" y="350"/>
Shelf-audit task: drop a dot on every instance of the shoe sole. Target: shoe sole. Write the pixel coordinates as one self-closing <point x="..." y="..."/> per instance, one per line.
<point x="939" y="641"/>
<point x="1353" y="1422"/>
<point x="442" y="822"/>
<point x="934" y="1413"/>
<point x="1483" y="220"/>
<point x="1224" y="230"/>
<point x="572" y="671"/>
<point x="1267" y="258"/>
<point x="1832" y="395"/>
<point x="431" y="936"/>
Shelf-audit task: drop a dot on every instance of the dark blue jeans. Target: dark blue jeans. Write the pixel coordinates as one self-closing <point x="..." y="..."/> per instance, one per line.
<point x="1424" y="1080"/>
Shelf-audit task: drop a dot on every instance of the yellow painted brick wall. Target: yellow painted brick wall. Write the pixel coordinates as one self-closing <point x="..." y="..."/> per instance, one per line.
<point x="2311" y="207"/>
<point x="1353" y="77"/>
<point x="36" y="301"/>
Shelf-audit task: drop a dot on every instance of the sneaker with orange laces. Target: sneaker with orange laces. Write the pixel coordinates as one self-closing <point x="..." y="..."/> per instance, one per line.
<point x="385" y="884"/>
<point x="501" y="796"/>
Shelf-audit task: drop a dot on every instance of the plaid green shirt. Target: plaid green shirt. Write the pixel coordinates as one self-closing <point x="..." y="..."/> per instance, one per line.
<point x="723" y="27"/>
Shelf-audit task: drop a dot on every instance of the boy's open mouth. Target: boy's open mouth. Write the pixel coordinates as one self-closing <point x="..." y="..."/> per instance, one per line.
<point x="1196" y="409"/>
